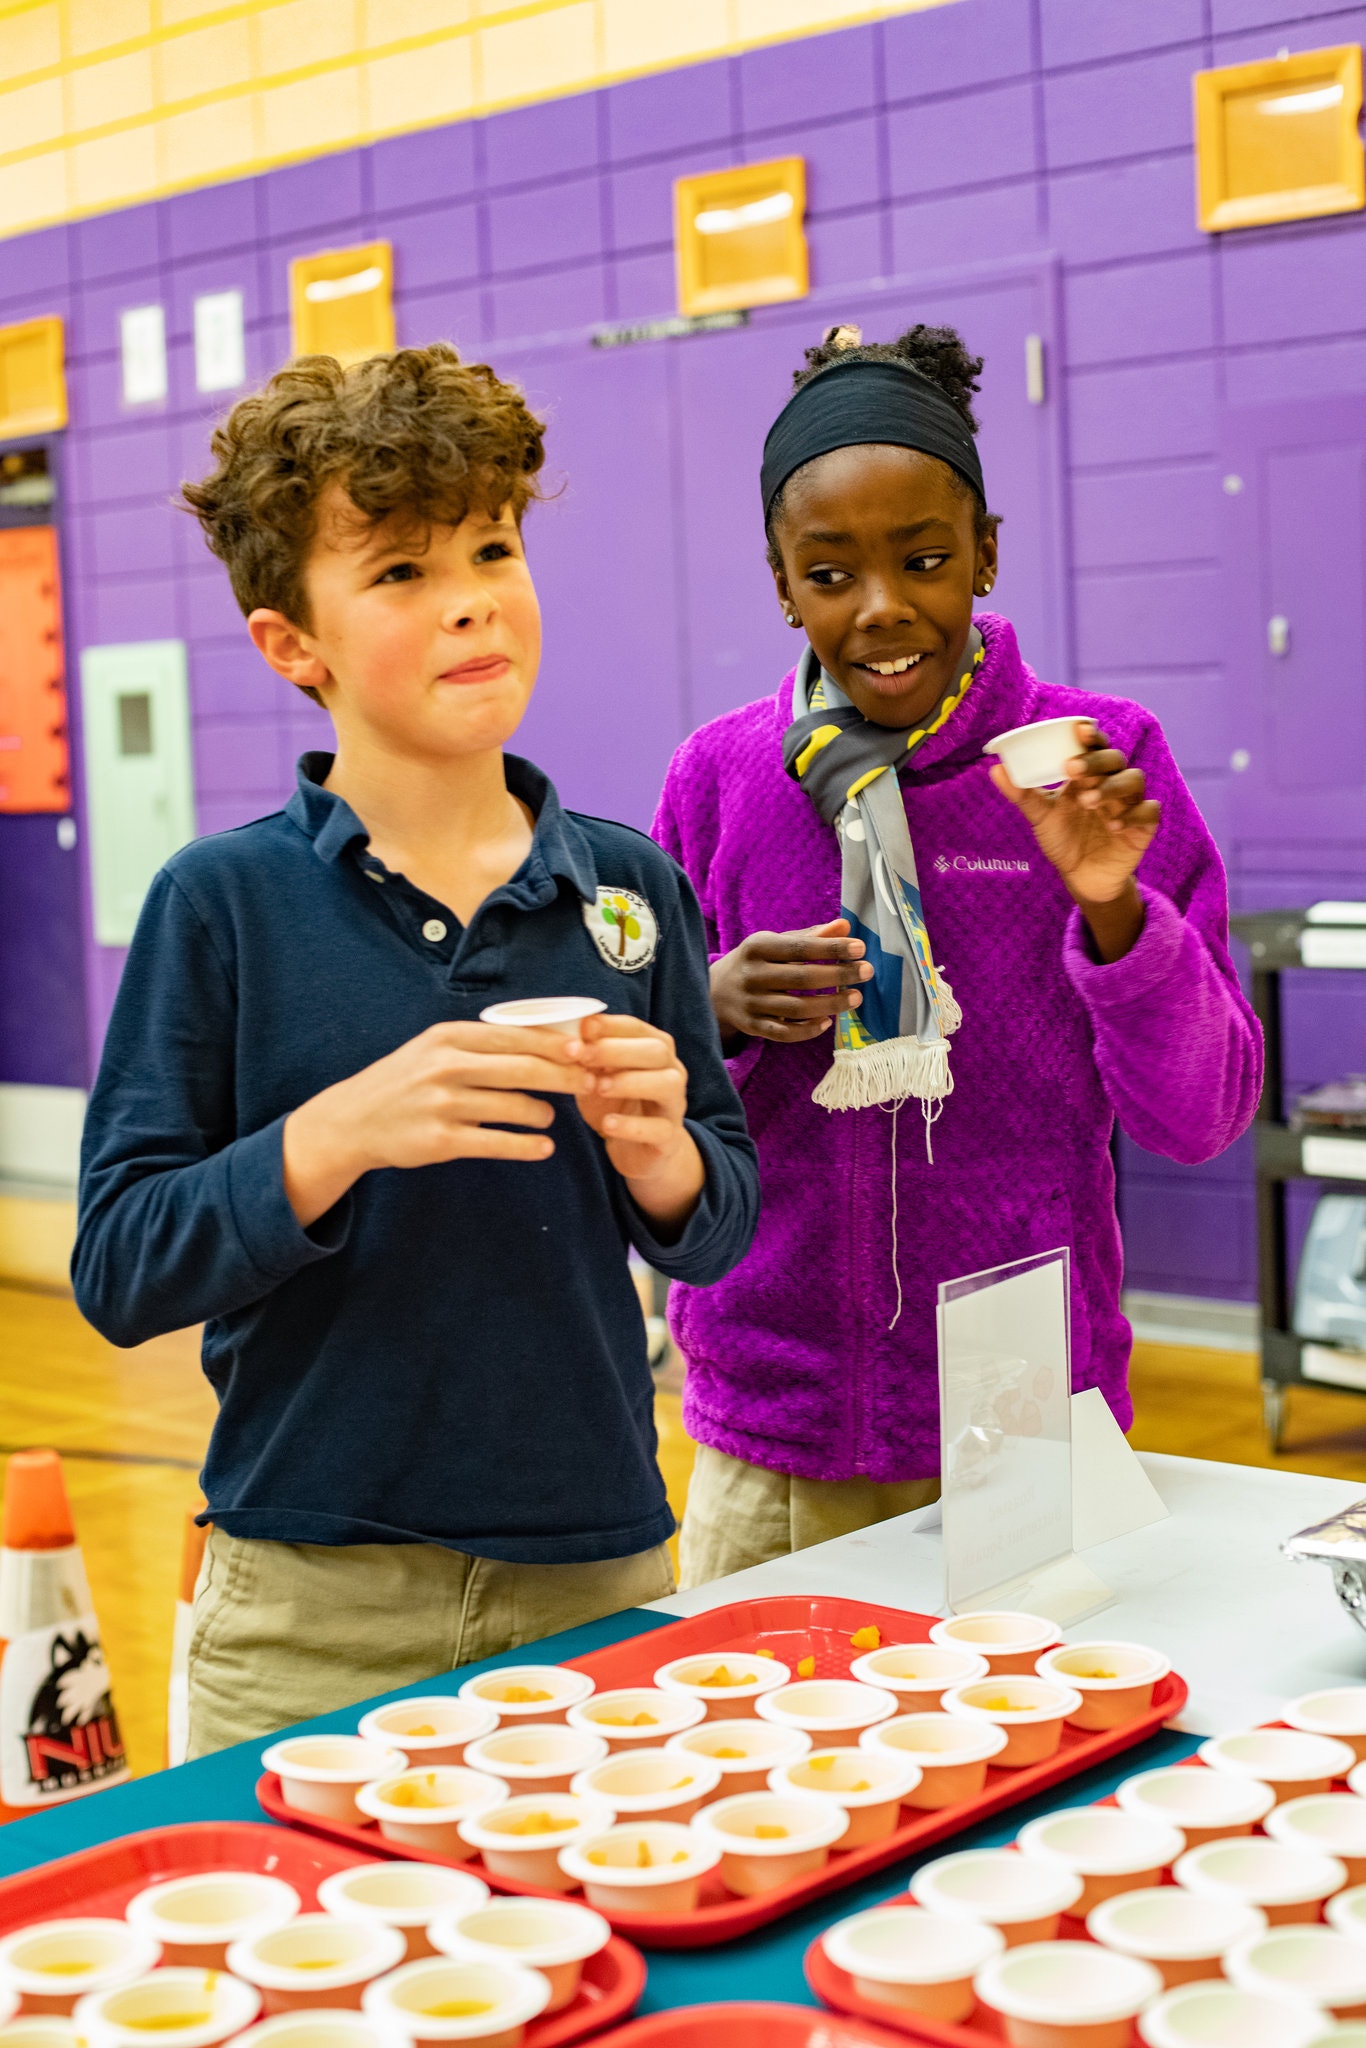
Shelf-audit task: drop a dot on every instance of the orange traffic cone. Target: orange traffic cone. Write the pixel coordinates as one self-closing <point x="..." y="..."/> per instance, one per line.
<point x="58" y="1734"/>
<point x="178" y="1702"/>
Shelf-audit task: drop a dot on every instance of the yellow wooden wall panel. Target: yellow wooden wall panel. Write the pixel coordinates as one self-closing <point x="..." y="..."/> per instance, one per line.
<point x="111" y="101"/>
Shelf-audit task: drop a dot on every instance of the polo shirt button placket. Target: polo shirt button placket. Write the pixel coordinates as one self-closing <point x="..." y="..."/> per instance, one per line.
<point x="434" y="931"/>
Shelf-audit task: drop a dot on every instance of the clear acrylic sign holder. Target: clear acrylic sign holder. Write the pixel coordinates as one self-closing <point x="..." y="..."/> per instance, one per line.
<point x="1005" y="1386"/>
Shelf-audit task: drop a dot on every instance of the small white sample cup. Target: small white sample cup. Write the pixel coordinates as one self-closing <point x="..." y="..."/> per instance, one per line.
<point x="1340" y="1711"/>
<point x="1213" y="2015"/>
<point x="1067" y="1994"/>
<point x="551" y="1013"/>
<point x="1109" y="1850"/>
<point x="184" y="2008"/>
<point x="767" y="1840"/>
<point x="195" y="1918"/>
<point x="745" y="1750"/>
<point x="903" y="1956"/>
<point x="321" y="1774"/>
<point x="1021" y="1897"/>
<point x="728" y="1686"/>
<point x="1030" y="1711"/>
<point x="953" y="1754"/>
<point x="553" y="1936"/>
<point x="1036" y="756"/>
<point x="636" y="1717"/>
<point x="437" y="2000"/>
<point x="1116" y="1680"/>
<point x="1207" y="1806"/>
<point x="919" y="1673"/>
<point x="424" y="1809"/>
<point x="536" y="1757"/>
<point x="1291" y="1763"/>
<point x="523" y="1837"/>
<point x="1290" y="1885"/>
<point x="1010" y="1642"/>
<point x="316" y="1961"/>
<point x="408" y="1896"/>
<point x="651" y="1784"/>
<point x="430" y="1731"/>
<point x="832" y="1711"/>
<point x="1185" y="1937"/>
<point x="652" y="1866"/>
<point x="530" y="1692"/>
<point x="870" y="1785"/>
<point x="56" y="1962"/>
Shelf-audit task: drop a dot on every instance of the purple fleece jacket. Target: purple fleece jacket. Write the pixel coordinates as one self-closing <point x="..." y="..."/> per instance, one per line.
<point x="791" y="1363"/>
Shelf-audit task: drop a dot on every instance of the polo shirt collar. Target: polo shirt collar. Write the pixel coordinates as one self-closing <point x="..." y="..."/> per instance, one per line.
<point x="559" y="847"/>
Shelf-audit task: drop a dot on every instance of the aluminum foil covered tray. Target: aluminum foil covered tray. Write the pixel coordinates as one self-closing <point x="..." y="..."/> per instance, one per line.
<point x="1340" y="1543"/>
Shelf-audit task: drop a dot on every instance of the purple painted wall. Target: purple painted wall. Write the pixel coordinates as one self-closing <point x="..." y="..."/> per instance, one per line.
<point x="974" y="134"/>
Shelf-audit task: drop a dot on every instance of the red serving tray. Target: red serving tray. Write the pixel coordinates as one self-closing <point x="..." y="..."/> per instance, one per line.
<point x="102" y="1880"/>
<point x="746" y="2026"/>
<point x="984" y="2030"/>
<point x="793" y="1629"/>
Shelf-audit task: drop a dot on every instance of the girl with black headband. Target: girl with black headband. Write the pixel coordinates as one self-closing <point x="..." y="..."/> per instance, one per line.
<point x="894" y="923"/>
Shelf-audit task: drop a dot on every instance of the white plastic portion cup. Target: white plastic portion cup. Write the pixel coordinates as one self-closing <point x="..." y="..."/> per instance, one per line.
<point x="185" y="2008"/>
<point x="1009" y="1641"/>
<point x="551" y="1013"/>
<point x="1290" y="1885"/>
<point x="195" y="1918"/>
<point x="870" y="1785"/>
<point x="323" y="2028"/>
<point x="919" y="1673"/>
<point x="636" y="1717"/>
<point x="767" y="1839"/>
<point x="1213" y="2015"/>
<point x="430" y="1731"/>
<point x="522" y="1838"/>
<point x="39" y="2030"/>
<point x="1116" y="1680"/>
<point x="1181" y="1934"/>
<point x="1109" y="1850"/>
<point x="553" y="1936"/>
<point x="55" y="1962"/>
<point x="1292" y="1763"/>
<point x="745" y="1750"/>
<point x="1331" y="1822"/>
<point x="1031" y="1711"/>
<point x="1023" y="1898"/>
<point x="1067" y="1994"/>
<point x="1315" y="1963"/>
<point x="953" y="1754"/>
<point x="609" y="1866"/>
<point x="650" y="1784"/>
<point x="424" y="1809"/>
<point x="904" y="1956"/>
<point x="321" y="1774"/>
<point x="832" y="1711"/>
<point x="1347" y="1912"/>
<point x="1340" y="1711"/>
<point x="536" y="1756"/>
<point x="728" y="1684"/>
<point x="440" y="2000"/>
<point x="408" y="1896"/>
<point x="1207" y="1806"/>
<point x="530" y="1692"/>
<point x="1036" y="756"/>
<point x="316" y="1961"/>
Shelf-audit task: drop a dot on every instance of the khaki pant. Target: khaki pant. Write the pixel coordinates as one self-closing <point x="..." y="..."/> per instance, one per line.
<point x="283" y="1631"/>
<point x="739" y="1514"/>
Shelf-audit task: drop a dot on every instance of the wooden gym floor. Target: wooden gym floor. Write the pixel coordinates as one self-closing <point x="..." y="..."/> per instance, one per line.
<point x="131" y="1427"/>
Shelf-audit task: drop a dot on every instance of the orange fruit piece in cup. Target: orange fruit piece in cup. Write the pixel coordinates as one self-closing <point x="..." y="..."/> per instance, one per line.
<point x="869" y="1638"/>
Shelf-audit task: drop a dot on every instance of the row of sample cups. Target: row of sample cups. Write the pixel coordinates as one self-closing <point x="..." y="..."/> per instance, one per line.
<point x="424" y="1953"/>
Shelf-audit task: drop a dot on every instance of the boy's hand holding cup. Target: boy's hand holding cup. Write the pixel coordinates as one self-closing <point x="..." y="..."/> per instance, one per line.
<point x="430" y="1101"/>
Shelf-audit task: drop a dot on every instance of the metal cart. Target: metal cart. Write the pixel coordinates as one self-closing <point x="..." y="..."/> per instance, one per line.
<point x="1331" y="936"/>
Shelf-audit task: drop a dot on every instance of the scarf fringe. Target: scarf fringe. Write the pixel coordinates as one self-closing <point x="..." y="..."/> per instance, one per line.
<point x="892" y="1071"/>
<point x="950" y="1016"/>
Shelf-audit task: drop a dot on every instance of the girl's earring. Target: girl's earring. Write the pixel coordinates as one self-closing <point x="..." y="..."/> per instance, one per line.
<point x="792" y="618"/>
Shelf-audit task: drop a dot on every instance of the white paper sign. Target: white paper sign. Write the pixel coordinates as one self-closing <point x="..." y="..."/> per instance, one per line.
<point x="1005" y="1392"/>
<point x="220" y="356"/>
<point x="142" y="330"/>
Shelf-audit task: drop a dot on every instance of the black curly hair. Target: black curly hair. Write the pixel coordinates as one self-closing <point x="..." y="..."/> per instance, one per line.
<point x="940" y="356"/>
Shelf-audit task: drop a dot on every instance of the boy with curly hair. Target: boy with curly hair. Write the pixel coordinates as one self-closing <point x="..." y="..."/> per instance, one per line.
<point x="405" y="1229"/>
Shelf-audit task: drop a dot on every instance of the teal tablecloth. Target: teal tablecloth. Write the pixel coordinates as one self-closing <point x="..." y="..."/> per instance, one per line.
<point x="766" y="1965"/>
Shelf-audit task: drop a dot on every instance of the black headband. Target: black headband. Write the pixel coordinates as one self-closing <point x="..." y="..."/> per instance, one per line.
<point x="850" y="403"/>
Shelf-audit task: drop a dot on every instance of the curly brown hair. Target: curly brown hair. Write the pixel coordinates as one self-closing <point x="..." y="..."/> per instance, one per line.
<point x="418" y="435"/>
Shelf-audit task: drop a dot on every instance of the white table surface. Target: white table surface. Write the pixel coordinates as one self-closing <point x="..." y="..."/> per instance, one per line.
<point x="1207" y="1586"/>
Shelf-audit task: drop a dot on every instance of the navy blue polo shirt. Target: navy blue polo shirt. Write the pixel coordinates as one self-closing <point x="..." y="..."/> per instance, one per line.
<point x="453" y="1354"/>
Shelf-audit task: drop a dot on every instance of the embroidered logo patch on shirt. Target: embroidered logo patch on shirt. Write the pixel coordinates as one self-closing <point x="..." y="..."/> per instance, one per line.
<point x="623" y="928"/>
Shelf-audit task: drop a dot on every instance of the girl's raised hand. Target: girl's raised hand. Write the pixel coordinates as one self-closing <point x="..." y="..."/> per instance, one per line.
<point x="1098" y="826"/>
<point x="788" y="985"/>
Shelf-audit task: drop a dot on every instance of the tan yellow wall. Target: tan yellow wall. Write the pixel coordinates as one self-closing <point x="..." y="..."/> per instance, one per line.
<point x="105" y="102"/>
